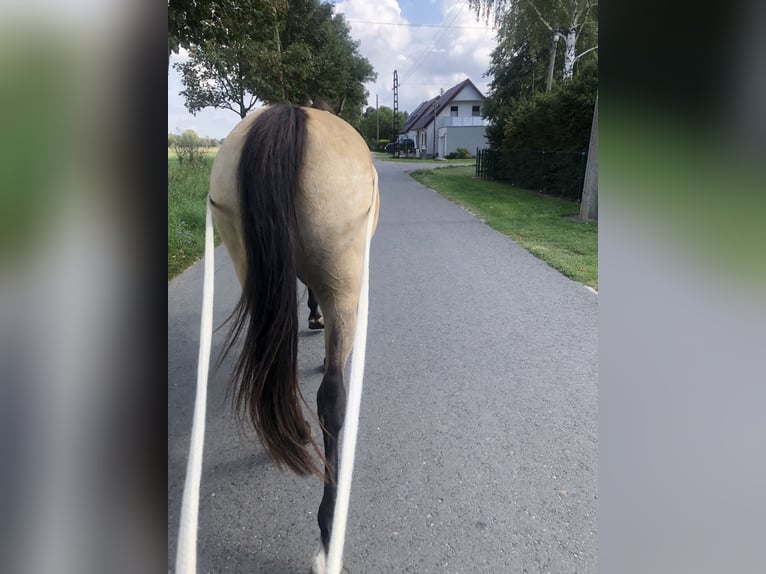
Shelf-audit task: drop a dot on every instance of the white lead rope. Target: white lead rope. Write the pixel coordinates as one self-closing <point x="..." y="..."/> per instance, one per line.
<point x="353" y="405"/>
<point x="186" y="552"/>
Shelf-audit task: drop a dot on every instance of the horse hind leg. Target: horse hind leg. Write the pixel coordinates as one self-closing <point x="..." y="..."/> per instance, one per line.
<point x="331" y="408"/>
<point x="316" y="321"/>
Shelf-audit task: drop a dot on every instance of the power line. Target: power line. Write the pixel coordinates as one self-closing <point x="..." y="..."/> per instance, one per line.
<point x="435" y="40"/>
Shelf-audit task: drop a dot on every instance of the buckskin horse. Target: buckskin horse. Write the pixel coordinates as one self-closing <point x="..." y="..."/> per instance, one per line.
<point x="294" y="194"/>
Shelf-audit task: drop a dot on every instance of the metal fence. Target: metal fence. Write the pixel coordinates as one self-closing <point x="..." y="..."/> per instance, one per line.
<point x="559" y="173"/>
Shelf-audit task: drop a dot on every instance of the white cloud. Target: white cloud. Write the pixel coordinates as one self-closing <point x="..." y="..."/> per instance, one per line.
<point x="426" y="58"/>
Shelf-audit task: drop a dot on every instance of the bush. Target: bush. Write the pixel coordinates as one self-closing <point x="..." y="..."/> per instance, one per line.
<point x="546" y="135"/>
<point x="459" y="153"/>
<point x="189" y="148"/>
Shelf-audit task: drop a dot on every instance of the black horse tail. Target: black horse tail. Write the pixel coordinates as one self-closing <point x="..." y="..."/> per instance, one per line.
<point x="264" y="383"/>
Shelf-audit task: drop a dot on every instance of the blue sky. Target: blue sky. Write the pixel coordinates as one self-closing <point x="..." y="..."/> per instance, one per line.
<point x="426" y="58"/>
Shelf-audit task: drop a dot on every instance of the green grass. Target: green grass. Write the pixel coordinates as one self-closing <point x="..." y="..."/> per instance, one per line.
<point x="187" y="193"/>
<point x="385" y="156"/>
<point x="542" y="225"/>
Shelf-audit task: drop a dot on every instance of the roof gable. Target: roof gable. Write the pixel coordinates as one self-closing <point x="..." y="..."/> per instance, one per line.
<point x="425" y="112"/>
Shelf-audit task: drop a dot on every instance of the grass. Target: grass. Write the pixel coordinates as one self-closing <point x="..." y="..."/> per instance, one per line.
<point x="187" y="193"/>
<point x="543" y="225"/>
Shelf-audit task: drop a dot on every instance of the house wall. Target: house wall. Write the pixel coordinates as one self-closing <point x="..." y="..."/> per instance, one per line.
<point x="464" y="109"/>
<point x="467" y="137"/>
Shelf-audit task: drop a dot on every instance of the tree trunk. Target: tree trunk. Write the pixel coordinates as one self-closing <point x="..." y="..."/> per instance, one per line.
<point x="589" y="202"/>
<point x="569" y="53"/>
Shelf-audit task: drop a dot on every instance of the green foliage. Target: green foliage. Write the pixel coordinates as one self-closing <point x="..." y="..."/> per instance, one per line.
<point x="369" y="122"/>
<point x="460" y="153"/>
<point x="558" y="120"/>
<point x="519" y="63"/>
<point x="546" y="135"/>
<point x="270" y="51"/>
<point x="189" y="148"/>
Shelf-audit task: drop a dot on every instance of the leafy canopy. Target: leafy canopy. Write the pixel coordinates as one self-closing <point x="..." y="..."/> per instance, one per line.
<point x="270" y="51"/>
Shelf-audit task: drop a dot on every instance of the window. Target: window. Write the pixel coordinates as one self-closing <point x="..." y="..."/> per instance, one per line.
<point x="475" y="111"/>
<point x="453" y="111"/>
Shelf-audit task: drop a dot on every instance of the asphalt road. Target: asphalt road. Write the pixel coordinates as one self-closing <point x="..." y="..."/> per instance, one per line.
<point x="478" y="442"/>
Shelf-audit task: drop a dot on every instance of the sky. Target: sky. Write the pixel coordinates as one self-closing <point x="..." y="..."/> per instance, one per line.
<point x="427" y="58"/>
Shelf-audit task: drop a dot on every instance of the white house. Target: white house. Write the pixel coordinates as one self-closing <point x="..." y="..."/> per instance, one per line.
<point x="449" y="121"/>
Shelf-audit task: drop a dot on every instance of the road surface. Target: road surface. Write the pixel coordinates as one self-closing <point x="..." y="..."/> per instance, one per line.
<point x="478" y="447"/>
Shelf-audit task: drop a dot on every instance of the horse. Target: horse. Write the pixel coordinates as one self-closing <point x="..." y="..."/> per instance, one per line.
<point x="294" y="195"/>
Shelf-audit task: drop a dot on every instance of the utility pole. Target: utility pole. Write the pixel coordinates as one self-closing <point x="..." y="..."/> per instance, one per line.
<point x="377" y="120"/>
<point x="552" y="62"/>
<point x="589" y="201"/>
<point x="436" y="99"/>
<point x="396" y="114"/>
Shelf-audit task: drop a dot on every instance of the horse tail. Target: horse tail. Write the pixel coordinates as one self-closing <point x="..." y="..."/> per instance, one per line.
<point x="264" y="381"/>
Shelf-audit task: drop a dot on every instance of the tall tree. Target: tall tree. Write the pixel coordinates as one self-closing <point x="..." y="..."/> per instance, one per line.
<point x="271" y="51"/>
<point x="187" y="22"/>
<point x="518" y="73"/>
<point x="532" y="20"/>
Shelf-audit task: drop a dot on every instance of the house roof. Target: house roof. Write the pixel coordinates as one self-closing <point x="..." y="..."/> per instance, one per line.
<point x="424" y="113"/>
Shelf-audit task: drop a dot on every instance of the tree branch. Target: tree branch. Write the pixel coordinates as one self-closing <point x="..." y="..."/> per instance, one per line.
<point x="540" y="16"/>
<point x="227" y="106"/>
<point x="581" y="54"/>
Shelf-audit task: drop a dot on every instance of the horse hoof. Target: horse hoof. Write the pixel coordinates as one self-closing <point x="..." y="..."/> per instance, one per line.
<point x="320" y="564"/>
<point x="315" y="324"/>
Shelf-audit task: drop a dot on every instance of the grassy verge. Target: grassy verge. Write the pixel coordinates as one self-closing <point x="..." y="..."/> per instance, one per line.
<point x="542" y="225"/>
<point x="187" y="192"/>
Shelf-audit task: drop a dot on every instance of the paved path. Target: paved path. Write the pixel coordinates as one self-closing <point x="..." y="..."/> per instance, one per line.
<point x="478" y="437"/>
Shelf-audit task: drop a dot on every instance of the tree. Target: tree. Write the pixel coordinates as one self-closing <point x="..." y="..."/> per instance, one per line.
<point x="531" y="20"/>
<point x="188" y="148"/>
<point x="369" y="124"/>
<point x="187" y="22"/>
<point x="518" y="73"/>
<point x="270" y="51"/>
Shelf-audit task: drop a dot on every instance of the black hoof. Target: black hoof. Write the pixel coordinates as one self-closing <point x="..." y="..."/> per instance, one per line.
<point x="315" y="324"/>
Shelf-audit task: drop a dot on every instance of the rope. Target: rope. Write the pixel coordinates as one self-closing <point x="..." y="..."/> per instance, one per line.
<point x="351" y="423"/>
<point x="186" y="552"/>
